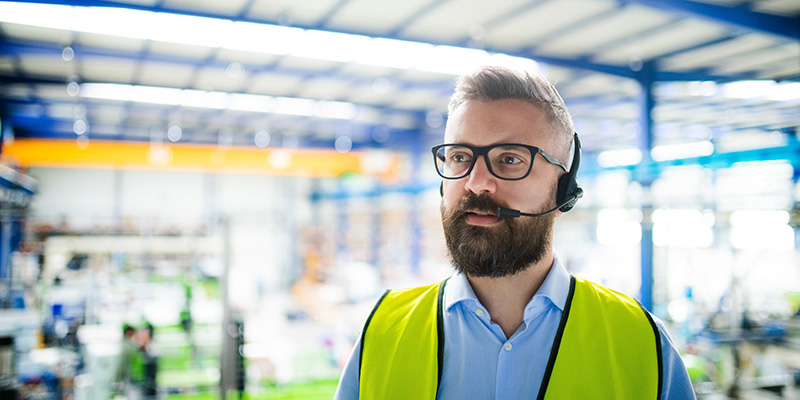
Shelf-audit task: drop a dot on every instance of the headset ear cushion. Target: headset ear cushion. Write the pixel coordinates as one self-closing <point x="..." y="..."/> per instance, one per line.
<point x="569" y="191"/>
<point x="573" y="198"/>
<point x="563" y="187"/>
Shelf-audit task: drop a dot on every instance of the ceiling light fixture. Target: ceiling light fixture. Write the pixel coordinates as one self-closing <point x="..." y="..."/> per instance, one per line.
<point x="251" y="37"/>
<point x="682" y="150"/>
<point x="219" y="100"/>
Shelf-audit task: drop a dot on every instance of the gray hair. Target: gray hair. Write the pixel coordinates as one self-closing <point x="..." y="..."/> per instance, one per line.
<point x="489" y="83"/>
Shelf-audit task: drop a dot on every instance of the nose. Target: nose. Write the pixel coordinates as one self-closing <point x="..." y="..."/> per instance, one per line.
<point x="480" y="180"/>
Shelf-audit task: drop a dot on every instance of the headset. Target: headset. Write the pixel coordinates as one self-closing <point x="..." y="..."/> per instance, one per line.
<point x="569" y="190"/>
<point x="567" y="193"/>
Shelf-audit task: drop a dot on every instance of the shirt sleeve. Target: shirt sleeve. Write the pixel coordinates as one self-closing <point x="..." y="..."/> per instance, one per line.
<point x="347" y="388"/>
<point x="677" y="385"/>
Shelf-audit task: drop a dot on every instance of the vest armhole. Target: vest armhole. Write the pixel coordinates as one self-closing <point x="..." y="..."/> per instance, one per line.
<point x="440" y="333"/>
<point x="557" y="341"/>
<point x="364" y="333"/>
<point x="659" y="356"/>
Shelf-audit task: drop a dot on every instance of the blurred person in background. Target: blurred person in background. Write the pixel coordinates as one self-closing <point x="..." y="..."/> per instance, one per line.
<point x="512" y="322"/>
<point x="148" y="384"/>
<point x="129" y="349"/>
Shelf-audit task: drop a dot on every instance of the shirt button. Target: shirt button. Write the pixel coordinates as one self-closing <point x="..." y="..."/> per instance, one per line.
<point x="507" y="347"/>
<point x="479" y="312"/>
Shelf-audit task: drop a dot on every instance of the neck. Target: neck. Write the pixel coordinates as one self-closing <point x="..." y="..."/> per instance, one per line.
<point x="506" y="297"/>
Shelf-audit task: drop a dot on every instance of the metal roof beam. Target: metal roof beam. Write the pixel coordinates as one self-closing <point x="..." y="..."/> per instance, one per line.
<point x="738" y="16"/>
<point x="332" y="12"/>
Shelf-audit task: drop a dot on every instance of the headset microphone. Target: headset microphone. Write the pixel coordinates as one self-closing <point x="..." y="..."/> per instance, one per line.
<point x="511" y="213"/>
<point x="503" y="212"/>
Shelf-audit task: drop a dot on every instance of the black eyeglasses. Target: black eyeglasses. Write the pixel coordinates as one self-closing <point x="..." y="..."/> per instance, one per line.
<point x="507" y="161"/>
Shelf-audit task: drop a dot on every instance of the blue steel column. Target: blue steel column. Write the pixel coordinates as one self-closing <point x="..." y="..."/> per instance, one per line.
<point x="794" y="219"/>
<point x="647" y="105"/>
<point x="5" y="261"/>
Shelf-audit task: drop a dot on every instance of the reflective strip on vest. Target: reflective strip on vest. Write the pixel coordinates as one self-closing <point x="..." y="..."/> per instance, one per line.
<point x="607" y="347"/>
<point x="399" y="346"/>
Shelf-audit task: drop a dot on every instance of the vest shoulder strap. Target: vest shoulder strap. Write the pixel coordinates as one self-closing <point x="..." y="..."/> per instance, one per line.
<point x="608" y="343"/>
<point x="402" y="345"/>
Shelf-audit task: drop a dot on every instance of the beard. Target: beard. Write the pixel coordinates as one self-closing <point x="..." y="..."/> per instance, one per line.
<point x="504" y="249"/>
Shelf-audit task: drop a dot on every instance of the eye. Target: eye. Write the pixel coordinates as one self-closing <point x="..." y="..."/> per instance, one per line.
<point x="509" y="159"/>
<point x="460" y="157"/>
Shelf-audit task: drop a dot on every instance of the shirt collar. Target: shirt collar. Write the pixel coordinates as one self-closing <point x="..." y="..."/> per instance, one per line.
<point x="555" y="288"/>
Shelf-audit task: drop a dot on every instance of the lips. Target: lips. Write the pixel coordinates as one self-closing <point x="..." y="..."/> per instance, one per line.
<point x="481" y="213"/>
<point x="479" y="210"/>
<point x="480" y="217"/>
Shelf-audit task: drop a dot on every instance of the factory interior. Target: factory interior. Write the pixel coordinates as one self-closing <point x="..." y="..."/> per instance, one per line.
<point x="237" y="182"/>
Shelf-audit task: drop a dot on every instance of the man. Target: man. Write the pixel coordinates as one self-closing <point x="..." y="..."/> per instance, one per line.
<point x="148" y="383"/>
<point x="511" y="323"/>
<point x="123" y="375"/>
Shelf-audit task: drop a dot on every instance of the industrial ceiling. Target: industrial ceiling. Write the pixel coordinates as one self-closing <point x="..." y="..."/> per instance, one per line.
<point x="355" y="74"/>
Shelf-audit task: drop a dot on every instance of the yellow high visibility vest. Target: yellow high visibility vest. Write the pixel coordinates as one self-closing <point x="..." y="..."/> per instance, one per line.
<point x="607" y="347"/>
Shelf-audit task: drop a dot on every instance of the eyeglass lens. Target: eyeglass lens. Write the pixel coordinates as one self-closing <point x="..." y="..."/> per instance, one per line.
<point x="506" y="161"/>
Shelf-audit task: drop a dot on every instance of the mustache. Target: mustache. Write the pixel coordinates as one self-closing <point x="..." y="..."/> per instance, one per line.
<point x="481" y="202"/>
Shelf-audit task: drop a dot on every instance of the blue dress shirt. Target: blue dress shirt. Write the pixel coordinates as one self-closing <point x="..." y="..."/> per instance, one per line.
<point x="480" y="363"/>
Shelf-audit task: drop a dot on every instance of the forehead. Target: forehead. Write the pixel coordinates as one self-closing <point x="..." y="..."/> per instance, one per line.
<point x="482" y="123"/>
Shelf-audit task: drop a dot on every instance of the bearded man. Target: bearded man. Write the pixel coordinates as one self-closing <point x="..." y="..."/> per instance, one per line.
<point x="512" y="322"/>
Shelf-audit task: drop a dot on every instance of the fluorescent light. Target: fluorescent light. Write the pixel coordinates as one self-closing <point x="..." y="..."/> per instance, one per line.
<point x="682" y="150"/>
<point x="294" y="106"/>
<point x="114" y="22"/>
<point x="336" y="109"/>
<point x="617" y="158"/>
<point x="330" y="46"/>
<point x="702" y="88"/>
<point x="184" y="29"/>
<point x="106" y="91"/>
<point x="192" y="98"/>
<point x="43" y="15"/>
<point x="155" y="95"/>
<point x="513" y="62"/>
<point x="786" y="91"/>
<point x="453" y="60"/>
<point x="253" y="37"/>
<point x="250" y="102"/>
<point x="261" y="38"/>
<point x="393" y="53"/>
<point x="748" y="89"/>
<point x="219" y="100"/>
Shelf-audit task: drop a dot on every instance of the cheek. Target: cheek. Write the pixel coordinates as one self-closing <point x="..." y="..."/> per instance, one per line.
<point x="452" y="192"/>
<point x="533" y="193"/>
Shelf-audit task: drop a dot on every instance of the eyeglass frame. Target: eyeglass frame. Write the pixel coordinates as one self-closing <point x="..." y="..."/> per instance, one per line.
<point x="484" y="151"/>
